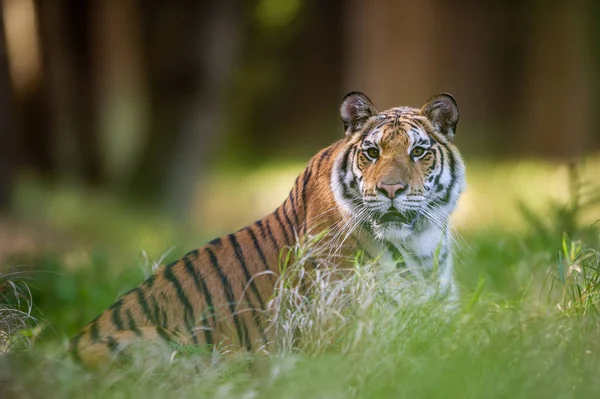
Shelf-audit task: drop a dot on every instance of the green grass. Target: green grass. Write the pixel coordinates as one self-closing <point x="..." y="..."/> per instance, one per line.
<point x="527" y="324"/>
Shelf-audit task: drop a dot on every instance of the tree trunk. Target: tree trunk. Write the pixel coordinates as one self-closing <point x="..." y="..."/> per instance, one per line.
<point x="218" y="40"/>
<point x="391" y="50"/>
<point x="71" y="98"/>
<point x="190" y="52"/>
<point x="120" y="86"/>
<point x="556" y="112"/>
<point x="7" y="133"/>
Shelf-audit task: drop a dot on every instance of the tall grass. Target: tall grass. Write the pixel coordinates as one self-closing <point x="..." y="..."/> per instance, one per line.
<point x="17" y="324"/>
<point x="527" y="325"/>
<point x="577" y="276"/>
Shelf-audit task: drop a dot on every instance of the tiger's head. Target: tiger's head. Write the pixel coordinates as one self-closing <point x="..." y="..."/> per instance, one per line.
<point x="399" y="172"/>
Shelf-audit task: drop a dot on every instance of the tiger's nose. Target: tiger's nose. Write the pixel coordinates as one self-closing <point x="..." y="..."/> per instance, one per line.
<point x="391" y="190"/>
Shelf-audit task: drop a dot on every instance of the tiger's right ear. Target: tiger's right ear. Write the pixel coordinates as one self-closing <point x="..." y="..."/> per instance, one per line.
<point x="356" y="108"/>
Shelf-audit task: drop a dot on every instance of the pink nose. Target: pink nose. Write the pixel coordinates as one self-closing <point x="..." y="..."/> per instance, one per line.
<point x="390" y="190"/>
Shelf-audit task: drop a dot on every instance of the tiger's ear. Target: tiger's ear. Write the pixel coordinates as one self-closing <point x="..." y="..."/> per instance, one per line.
<point x="356" y="108"/>
<point x="442" y="112"/>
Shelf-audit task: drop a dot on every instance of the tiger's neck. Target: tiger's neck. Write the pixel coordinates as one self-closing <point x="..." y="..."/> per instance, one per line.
<point x="310" y="206"/>
<point x="427" y="256"/>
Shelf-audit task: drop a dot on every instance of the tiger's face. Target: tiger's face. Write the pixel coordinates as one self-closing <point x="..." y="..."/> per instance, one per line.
<point x="401" y="172"/>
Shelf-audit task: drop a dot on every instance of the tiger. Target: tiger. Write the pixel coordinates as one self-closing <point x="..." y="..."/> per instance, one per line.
<point x="388" y="186"/>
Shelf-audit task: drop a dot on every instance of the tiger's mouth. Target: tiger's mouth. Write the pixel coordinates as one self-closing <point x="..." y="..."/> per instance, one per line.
<point x="395" y="216"/>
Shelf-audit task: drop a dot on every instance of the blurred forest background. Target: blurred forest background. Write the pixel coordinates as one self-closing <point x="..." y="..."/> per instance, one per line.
<point x="150" y="102"/>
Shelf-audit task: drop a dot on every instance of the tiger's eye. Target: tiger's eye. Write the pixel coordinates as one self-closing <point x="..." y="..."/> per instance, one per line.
<point x="417" y="152"/>
<point x="373" y="152"/>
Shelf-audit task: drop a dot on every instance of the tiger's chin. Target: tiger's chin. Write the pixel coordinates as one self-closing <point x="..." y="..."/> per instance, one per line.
<point x="394" y="226"/>
<point x="392" y="231"/>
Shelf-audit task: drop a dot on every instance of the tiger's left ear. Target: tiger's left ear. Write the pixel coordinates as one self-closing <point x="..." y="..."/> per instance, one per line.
<point x="442" y="112"/>
<point x="356" y="108"/>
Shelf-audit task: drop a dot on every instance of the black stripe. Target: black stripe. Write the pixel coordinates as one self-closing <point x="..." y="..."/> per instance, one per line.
<point x="451" y="166"/>
<point x="192" y="254"/>
<point x="189" y="310"/>
<point x="396" y="254"/>
<point x="441" y="257"/>
<point x="95" y="331"/>
<point x="433" y="165"/>
<point x="74" y="349"/>
<point x="297" y="199"/>
<point x="216" y="242"/>
<point x="324" y="154"/>
<point x="144" y="304"/>
<point x="346" y="193"/>
<point x="258" y="248"/>
<point x="150" y="280"/>
<point x="342" y="174"/>
<point x="242" y="261"/>
<point x="116" y="314"/>
<point x="261" y="228"/>
<point x="249" y="282"/>
<point x="112" y="344"/>
<point x="344" y="163"/>
<point x="203" y="290"/>
<point x="282" y="227"/>
<point x="293" y="205"/>
<point x="163" y="334"/>
<point x="132" y="324"/>
<point x="353" y="183"/>
<point x="287" y="219"/>
<point x="305" y="181"/>
<point x="439" y="176"/>
<point x="413" y="125"/>
<point x="230" y="299"/>
<point x="272" y="237"/>
<point x="159" y="315"/>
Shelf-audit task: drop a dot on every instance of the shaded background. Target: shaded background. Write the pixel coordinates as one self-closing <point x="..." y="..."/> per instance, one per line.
<point x="160" y="105"/>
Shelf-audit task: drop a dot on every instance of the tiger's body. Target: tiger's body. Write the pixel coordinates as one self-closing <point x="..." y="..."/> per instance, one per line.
<point x="387" y="188"/>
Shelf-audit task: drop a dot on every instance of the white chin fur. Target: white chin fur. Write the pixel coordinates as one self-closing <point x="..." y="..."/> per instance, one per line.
<point x="392" y="232"/>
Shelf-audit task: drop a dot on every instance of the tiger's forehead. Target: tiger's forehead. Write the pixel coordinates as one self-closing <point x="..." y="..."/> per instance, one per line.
<point x="400" y="112"/>
<point x="398" y="127"/>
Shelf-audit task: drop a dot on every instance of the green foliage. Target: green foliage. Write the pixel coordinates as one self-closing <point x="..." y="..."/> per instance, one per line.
<point x="67" y="299"/>
<point x="277" y="13"/>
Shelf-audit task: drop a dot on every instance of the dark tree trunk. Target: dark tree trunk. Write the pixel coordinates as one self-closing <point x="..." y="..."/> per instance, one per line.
<point x="556" y="112"/>
<point x="70" y="98"/>
<point x="7" y="134"/>
<point x="79" y="20"/>
<point x="190" y="52"/>
<point x="592" y="21"/>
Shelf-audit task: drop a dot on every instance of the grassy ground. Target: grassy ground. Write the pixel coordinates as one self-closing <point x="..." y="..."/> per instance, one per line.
<point x="527" y="324"/>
